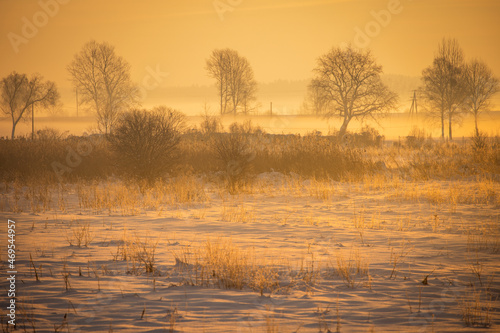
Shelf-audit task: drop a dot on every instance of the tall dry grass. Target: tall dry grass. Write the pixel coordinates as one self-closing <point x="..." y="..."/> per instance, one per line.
<point x="235" y="158"/>
<point x="220" y="263"/>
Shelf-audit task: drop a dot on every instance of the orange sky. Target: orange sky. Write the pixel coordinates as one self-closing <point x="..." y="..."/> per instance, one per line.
<point x="281" y="39"/>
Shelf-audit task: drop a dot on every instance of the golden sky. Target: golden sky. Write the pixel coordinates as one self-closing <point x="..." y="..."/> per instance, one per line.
<point x="281" y="38"/>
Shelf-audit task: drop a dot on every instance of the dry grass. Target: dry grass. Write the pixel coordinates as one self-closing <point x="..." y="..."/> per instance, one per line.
<point x="25" y="315"/>
<point x="353" y="270"/>
<point x="172" y="315"/>
<point x="476" y="307"/>
<point x="108" y="197"/>
<point x="39" y="198"/>
<point x="138" y="253"/>
<point x="448" y="193"/>
<point x="235" y="155"/>
<point x="395" y="169"/>
<point x="112" y="197"/>
<point x="484" y="241"/>
<point x="186" y="189"/>
<point x="80" y="235"/>
<point x="398" y="256"/>
<point x="322" y="190"/>
<point x="441" y="177"/>
<point x="236" y="213"/>
<point x="221" y="264"/>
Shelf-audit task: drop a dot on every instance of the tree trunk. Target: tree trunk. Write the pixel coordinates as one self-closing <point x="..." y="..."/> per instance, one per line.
<point x="475" y="123"/>
<point x="221" y="110"/>
<point x="33" y="121"/>
<point x="442" y="124"/>
<point x="343" y="128"/>
<point x="449" y="126"/>
<point x="13" y="131"/>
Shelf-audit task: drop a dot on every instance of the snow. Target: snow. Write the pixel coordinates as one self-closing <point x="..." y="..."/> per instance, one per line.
<point x="279" y="225"/>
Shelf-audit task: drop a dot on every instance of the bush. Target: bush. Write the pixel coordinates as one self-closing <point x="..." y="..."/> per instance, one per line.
<point x="210" y="124"/>
<point x="367" y="137"/>
<point x="50" y="134"/>
<point x="479" y="142"/>
<point x="485" y="152"/>
<point x="417" y="138"/>
<point x="245" y="128"/>
<point x="234" y="153"/>
<point x="145" y="142"/>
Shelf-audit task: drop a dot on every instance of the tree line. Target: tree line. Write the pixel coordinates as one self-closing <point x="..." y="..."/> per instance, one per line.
<point x="452" y="87"/>
<point x="346" y="83"/>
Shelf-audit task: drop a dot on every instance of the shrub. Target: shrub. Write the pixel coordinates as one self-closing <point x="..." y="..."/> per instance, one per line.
<point x="210" y="124"/>
<point x="50" y="134"/>
<point x="485" y="152"/>
<point x="479" y="142"/>
<point x="235" y="156"/>
<point x="145" y="142"/>
<point x="417" y="138"/>
<point x="245" y="128"/>
<point x="367" y="137"/>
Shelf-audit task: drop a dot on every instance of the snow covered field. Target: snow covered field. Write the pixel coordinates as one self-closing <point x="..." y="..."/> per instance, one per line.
<point x="286" y="255"/>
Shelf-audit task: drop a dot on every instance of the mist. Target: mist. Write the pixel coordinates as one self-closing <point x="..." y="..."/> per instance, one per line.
<point x="250" y="166"/>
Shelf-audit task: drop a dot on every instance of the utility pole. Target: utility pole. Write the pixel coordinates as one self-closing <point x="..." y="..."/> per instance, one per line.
<point x="414" y="104"/>
<point x="271" y="109"/>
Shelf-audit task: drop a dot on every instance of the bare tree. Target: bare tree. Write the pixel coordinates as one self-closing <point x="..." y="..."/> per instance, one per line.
<point x="235" y="154"/>
<point x="234" y="79"/>
<point x="348" y="82"/>
<point x="444" y="89"/>
<point x="217" y="66"/>
<point x="103" y="80"/>
<point x="20" y="94"/>
<point x="248" y="97"/>
<point x="480" y="85"/>
<point x="210" y="123"/>
<point x="314" y="103"/>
